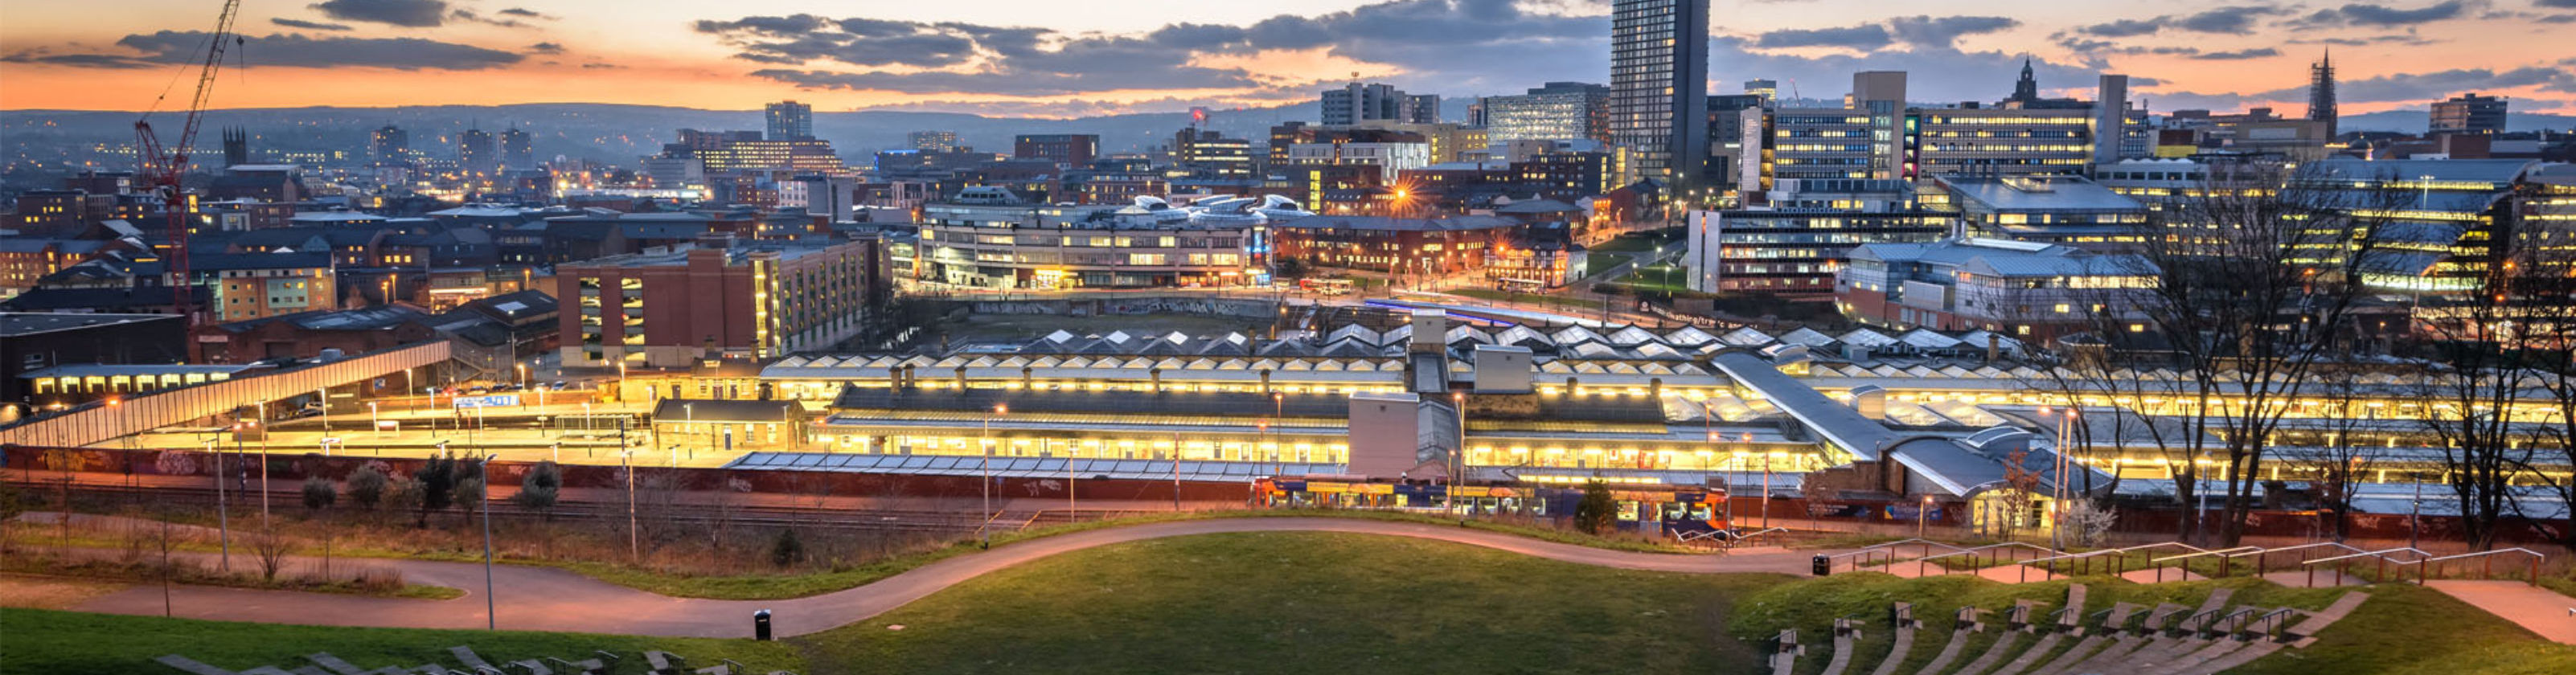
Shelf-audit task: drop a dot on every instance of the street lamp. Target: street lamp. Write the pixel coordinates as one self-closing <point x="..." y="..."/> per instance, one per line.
<point x="987" y="446"/>
<point x="491" y="618"/>
<point x="634" y="549"/>
<point x="223" y="508"/>
<point x="1920" y="514"/>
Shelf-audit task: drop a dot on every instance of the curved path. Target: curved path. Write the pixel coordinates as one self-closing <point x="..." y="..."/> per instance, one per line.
<point x="550" y="599"/>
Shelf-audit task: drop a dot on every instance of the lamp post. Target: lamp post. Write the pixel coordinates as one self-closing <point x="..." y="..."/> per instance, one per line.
<point x="491" y="617"/>
<point x="689" y="421"/>
<point x="375" y="422"/>
<point x="1920" y="514"/>
<point x="223" y="508"/>
<point x="1458" y="455"/>
<point x="984" y="528"/>
<point x="634" y="549"/>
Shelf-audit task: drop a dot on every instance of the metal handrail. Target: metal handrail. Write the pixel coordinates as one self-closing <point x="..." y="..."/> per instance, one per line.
<point x="2536" y="558"/>
<point x="1926" y="560"/>
<point x="2269" y="551"/>
<point x="2381" y="553"/>
<point x="2230" y="552"/>
<point x="1893" y="544"/>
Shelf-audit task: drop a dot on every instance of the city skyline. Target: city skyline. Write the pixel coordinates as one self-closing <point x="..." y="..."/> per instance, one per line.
<point x="1061" y="60"/>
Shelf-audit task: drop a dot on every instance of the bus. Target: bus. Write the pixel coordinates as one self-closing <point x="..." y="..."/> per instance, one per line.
<point x="1667" y="508"/>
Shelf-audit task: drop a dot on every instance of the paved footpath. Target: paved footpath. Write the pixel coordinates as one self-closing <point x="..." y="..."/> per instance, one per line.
<point x="550" y="599"/>
<point x="2551" y="615"/>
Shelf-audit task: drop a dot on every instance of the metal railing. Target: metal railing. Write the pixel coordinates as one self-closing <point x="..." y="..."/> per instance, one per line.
<point x="1923" y="568"/>
<point x="2382" y="555"/>
<point x="2488" y="571"/>
<point x="1888" y="551"/>
<point x="2118" y="556"/>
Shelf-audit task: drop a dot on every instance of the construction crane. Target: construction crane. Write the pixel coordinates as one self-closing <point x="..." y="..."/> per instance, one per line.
<point x="162" y="168"/>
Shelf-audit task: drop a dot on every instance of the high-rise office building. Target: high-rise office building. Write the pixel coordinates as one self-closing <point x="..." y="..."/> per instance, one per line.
<point x="2469" y="114"/>
<point x="390" y="144"/>
<point x="2321" y="94"/>
<point x="790" y="121"/>
<point x="932" y="141"/>
<point x="474" y="152"/>
<point x="516" y="152"/>
<point x="1659" y="85"/>
<point x="1559" y="110"/>
<point x="1210" y="154"/>
<point x="1356" y="103"/>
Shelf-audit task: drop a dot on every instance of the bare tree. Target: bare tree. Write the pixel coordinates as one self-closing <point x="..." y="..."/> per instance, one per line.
<point x="2255" y="278"/>
<point x="271" y="550"/>
<point x="2502" y="342"/>
<point x="2336" y="456"/>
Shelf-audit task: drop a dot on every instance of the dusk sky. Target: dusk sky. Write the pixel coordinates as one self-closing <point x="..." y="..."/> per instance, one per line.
<point x="1077" y="57"/>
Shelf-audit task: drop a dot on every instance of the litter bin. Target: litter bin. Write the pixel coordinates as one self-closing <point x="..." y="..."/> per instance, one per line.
<point x="760" y="625"/>
<point x="1821" y="565"/>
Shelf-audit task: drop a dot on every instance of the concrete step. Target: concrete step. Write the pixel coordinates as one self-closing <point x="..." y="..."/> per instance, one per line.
<point x="2088" y="647"/>
<point x="2047" y="643"/>
<point x="1896" y="654"/>
<point x="1995" y="653"/>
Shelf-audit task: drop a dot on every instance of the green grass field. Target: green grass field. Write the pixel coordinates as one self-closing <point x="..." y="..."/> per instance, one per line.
<point x="1303" y="603"/>
<point x="2401" y="629"/>
<point x="42" y="641"/>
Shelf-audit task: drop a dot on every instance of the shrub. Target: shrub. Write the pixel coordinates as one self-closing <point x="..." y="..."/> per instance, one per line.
<point x="1597" y="511"/>
<point x="788" y="549"/>
<point x="539" y="489"/>
<point x="367" y="487"/>
<point x="320" y="493"/>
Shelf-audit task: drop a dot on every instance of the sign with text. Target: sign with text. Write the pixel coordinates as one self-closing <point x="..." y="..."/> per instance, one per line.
<point x="492" y="401"/>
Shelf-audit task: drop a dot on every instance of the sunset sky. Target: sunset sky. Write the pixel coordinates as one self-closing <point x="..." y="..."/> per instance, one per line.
<point x="1077" y="57"/>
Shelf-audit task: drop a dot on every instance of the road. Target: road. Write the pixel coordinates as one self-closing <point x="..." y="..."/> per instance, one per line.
<point x="549" y="599"/>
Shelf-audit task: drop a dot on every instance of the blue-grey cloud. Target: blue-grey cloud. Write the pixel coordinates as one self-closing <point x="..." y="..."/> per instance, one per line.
<point x="525" y="13"/>
<point x="413" y="13"/>
<point x="1866" y="37"/>
<point x="2382" y="16"/>
<point x="1944" y="31"/>
<point x="2237" y="20"/>
<point x="2409" y="87"/>
<point x="288" y="50"/>
<point x="2238" y="55"/>
<point x="309" y="25"/>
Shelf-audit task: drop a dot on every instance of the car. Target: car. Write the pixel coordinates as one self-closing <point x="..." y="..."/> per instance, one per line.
<point x="557" y="385"/>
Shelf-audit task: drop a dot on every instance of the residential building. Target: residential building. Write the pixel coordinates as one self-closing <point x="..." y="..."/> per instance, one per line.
<point x="259" y="285"/>
<point x="932" y="141"/>
<point x="389" y="144"/>
<point x="517" y="152"/>
<point x="1065" y="150"/>
<point x="475" y="152"/>
<point x="26" y="260"/>
<point x="1557" y="110"/>
<point x="789" y="121"/>
<point x="1356" y="103"/>
<point x="673" y="306"/>
<point x="2469" y="114"/>
<point x="1659" y="85"/>
<point x="2024" y="289"/>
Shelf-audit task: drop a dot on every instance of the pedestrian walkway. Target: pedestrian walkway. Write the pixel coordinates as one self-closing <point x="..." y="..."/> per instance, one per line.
<point x="2541" y="610"/>
<point x="550" y="599"/>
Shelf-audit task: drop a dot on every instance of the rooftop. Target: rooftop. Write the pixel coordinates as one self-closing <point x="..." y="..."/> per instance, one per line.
<point x="2036" y="193"/>
<point x="1445" y="224"/>
<point x="17" y="324"/>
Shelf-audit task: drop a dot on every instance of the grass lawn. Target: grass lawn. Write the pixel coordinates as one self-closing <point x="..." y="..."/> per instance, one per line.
<point x="1640" y="242"/>
<point x="1302" y="603"/>
<point x="42" y="641"/>
<point x="1660" y="278"/>
<point x="1599" y="262"/>
<point x="2401" y="629"/>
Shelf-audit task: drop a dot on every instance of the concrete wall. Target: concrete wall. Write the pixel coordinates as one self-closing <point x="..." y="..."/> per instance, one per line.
<point x="1385" y="433"/>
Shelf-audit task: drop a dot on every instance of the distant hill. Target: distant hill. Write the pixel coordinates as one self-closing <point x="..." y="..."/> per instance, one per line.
<point x="2415" y="121"/>
<point x="620" y="133"/>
